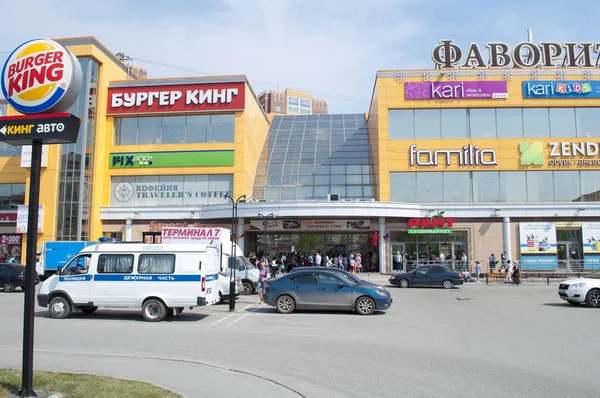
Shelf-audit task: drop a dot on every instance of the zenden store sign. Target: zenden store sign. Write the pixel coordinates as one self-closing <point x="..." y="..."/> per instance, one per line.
<point x="561" y="89"/>
<point x="171" y="159"/>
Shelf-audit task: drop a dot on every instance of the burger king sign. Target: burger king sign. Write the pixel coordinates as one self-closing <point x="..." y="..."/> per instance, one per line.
<point x="41" y="76"/>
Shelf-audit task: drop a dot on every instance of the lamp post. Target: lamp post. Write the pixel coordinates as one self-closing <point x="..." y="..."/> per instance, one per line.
<point x="265" y="223"/>
<point x="234" y="205"/>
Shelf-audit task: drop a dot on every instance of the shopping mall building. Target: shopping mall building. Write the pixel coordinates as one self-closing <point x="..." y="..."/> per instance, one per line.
<point x="462" y="160"/>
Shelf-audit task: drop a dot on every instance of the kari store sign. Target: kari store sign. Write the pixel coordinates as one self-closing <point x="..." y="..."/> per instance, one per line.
<point x="561" y="89"/>
<point x="455" y="90"/>
<point x="212" y="97"/>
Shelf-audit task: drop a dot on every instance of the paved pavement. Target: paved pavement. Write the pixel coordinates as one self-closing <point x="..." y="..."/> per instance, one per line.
<point x="477" y="340"/>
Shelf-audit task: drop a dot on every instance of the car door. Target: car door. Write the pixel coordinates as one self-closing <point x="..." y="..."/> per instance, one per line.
<point x="421" y="277"/>
<point x="333" y="293"/>
<point x="437" y="275"/>
<point x="75" y="279"/>
<point x="304" y="290"/>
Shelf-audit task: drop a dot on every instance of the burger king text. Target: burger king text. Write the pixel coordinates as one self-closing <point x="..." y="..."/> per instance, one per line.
<point x="166" y="98"/>
<point x="45" y="67"/>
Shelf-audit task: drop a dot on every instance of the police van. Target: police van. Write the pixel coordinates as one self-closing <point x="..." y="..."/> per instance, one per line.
<point x="160" y="279"/>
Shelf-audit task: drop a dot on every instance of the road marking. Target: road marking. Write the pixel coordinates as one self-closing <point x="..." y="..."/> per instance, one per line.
<point x="220" y="320"/>
<point x="241" y="317"/>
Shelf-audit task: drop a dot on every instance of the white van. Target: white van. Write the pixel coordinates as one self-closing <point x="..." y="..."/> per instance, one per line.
<point x="160" y="279"/>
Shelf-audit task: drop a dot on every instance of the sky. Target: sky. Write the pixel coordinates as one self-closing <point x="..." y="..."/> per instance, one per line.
<point x="332" y="48"/>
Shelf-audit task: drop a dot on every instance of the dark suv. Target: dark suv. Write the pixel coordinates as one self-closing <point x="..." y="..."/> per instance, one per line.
<point x="13" y="276"/>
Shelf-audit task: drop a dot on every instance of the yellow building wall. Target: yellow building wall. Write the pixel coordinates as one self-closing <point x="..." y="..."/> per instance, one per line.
<point x="299" y="94"/>
<point x="394" y="154"/>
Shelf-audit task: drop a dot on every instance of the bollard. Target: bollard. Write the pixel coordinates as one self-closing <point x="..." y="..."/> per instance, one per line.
<point x="487" y="282"/>
<point x="548" y="280"/>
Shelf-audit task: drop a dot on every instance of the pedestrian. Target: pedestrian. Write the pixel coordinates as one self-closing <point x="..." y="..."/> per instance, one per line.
<point x="397" y="261"/>
<point x="516" y="276"/>
<point x="345" y="262"/>
<point x="262" y="276"/>
<point x="477" y="269"/>
<point x="493" y="262"/>
<point x="358" y="263"/>
<point x="340" y="261"/>
<point x="508" y="271"/>
<point x="353" y="265"/>
<point x="503" y="259"/>
<point x="463" y="258"/>
<point x="310" y="260"/>
<point x="318" y="259"/>
<point x="442" y="259"/>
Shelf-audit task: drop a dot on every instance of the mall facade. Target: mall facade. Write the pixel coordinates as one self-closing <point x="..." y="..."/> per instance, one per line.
<point x="456" y="161"/>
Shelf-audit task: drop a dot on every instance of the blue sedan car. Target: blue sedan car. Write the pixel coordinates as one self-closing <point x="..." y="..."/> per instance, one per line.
<point x="324" y="290"/>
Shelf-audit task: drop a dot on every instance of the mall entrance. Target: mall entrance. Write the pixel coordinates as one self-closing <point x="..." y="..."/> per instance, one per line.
<point x="426" y="249"/>
<point x="569" y="250"/>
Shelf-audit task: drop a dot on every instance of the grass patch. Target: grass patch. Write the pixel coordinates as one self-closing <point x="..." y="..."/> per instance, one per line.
<point x="81" y="385"/>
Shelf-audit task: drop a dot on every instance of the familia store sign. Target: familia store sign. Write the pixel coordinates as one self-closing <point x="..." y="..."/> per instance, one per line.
<point x="438" y="224"/>
<point x="210" y="97"/>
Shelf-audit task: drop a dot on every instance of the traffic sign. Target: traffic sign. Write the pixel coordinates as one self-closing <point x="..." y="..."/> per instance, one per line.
<point x="49" y="128"/>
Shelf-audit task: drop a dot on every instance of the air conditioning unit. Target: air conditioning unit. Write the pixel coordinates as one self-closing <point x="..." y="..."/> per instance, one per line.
<point x="333" y="197"/>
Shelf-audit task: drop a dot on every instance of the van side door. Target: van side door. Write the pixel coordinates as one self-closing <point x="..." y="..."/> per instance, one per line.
<point x="113" y="282"/>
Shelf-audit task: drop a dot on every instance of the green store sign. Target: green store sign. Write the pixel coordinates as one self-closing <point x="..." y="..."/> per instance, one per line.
<point x="429" y="231"/>
<point x="171" y="159"/>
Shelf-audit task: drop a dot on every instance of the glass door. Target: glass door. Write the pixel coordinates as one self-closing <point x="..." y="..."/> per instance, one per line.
<point x="563" y="257"/>
<point x="458" y="249"/>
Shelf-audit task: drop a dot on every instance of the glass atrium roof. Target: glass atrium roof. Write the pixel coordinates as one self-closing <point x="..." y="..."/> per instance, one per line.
<point x="310" y="156"/>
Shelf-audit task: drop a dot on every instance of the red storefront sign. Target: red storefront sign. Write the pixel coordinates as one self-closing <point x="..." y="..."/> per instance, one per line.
<point x="209" y="97"/>
<point x="8" y="216"/>
<point x="434" y="222"/>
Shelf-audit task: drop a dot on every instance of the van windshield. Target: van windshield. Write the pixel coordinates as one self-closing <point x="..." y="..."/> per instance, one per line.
<point x="246" y="262"/>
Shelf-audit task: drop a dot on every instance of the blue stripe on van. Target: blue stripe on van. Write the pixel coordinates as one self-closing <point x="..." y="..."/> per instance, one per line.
<point x="145" y="278"/>
<point x="74" y="278"/>
<point x="212" y="277"/>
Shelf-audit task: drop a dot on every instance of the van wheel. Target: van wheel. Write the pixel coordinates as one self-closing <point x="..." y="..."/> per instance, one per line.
<point x="8" y="287"/>
<point x="154" y="310"/>
<point x="247" y="288"/>
<point x="60" y="308"/>
<point x="88" y="310"/>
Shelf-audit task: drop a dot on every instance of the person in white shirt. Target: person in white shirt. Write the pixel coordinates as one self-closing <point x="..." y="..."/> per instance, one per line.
<point x="508" y="270"/>
<point x="318" y="259"/>
<point x="442" y="258"/>
<point x="464" y="260"/>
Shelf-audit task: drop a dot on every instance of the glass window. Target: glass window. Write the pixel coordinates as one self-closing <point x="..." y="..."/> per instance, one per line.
<point x="156" y="264"/>
<point x="562" y="122"/>
<point x="430" y="187"/>
<point x="115" y="264"/>
<point x="354" y="191"/>
<point x="17" y="196"/>
<point x="126" y="130"/>
<point x="197" y="128"/>
<point x="173" y="130"/>
<point x="540" y="186"/>
<point x="272" y="193"/>
<point x="338" y="179"/>
<point x="328" y="280"/>
<point x="353" y="179"/>
<point x="78" y="266"/>
<point x="403" y="187"/>
<point x="590" y="186"/>
<point x="457" y="187"/>
<point x="149" y="130"/>
<point x="509" y="123"/>
<point x="588" y="122"/>
<point x="454" y="123"/>
<point x="536" y="123"/>
<point x="513" y="186"/>
<point x="5" y="193"/>
<point x="401" y="124"/>
<point x="305" y="193"/>
<point x="321" y="180"/>
<point x="482" y="123"/>
<point x="288" y="193"/>
<point x="427" y="123"/>
<point x="304" y="280"/>
<point x="221" y="128"/>
<point x="486" y="186"/>
<point x="567" y="187"/>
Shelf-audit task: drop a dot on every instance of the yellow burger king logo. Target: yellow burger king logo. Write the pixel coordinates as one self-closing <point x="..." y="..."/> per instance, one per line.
<point x="41" y="76"/>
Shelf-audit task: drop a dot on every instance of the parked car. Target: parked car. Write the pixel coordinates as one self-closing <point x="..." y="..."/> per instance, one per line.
<point x="322" y="289"/>
<point x="13" y="276"/>
<point x="429" y="275"/>
<point x="341" y="271"/>
<point x="224" y="287"/>
<point x="586" y="289"/>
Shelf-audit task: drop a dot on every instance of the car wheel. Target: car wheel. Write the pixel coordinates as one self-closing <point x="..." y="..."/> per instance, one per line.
<point x="88" y="310"/>
<point x="60" y="308"/>
<point x="365" y="305"/>
<point x="154" y="310"/>
<point x="404" y="283"/>
<point x="573" y="302"/>
<point x="247" y="288"/>
<point x="8" y="287"/>
<point x="448" y="284"/>
<point x="285" y="304"/>
<point x="593" y="298"/>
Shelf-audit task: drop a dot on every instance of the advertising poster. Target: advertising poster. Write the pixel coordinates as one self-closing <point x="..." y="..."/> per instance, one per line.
<point x="348" y="225"/>
<point x="10" y="246"/>
<point x="591" y="244"/>
<point x="23" y="217"/>
<point x="537" y="238"/>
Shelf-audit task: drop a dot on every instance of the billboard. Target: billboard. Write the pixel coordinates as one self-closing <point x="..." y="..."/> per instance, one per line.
<point x="456" y="90"/>
<point x="557" y="89"/>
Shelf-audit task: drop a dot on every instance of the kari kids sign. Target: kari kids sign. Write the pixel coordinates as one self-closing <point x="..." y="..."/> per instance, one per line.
<point x="561" y="89"/>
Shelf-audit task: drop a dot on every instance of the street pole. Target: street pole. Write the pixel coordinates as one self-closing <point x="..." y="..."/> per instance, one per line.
<point x="29" y="307"/>
<point x="234" y="252"/>
<point x="265" y="219"/>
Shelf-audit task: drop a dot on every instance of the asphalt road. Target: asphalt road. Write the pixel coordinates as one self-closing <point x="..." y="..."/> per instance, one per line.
<point x="477" y="340"/>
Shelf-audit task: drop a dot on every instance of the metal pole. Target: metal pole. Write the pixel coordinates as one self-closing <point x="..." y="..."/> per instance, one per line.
<point x="29" y="307"/>
<point x="232" y="257"/>
<point x="265" y="226"/>
<point x="234" y="254"/>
